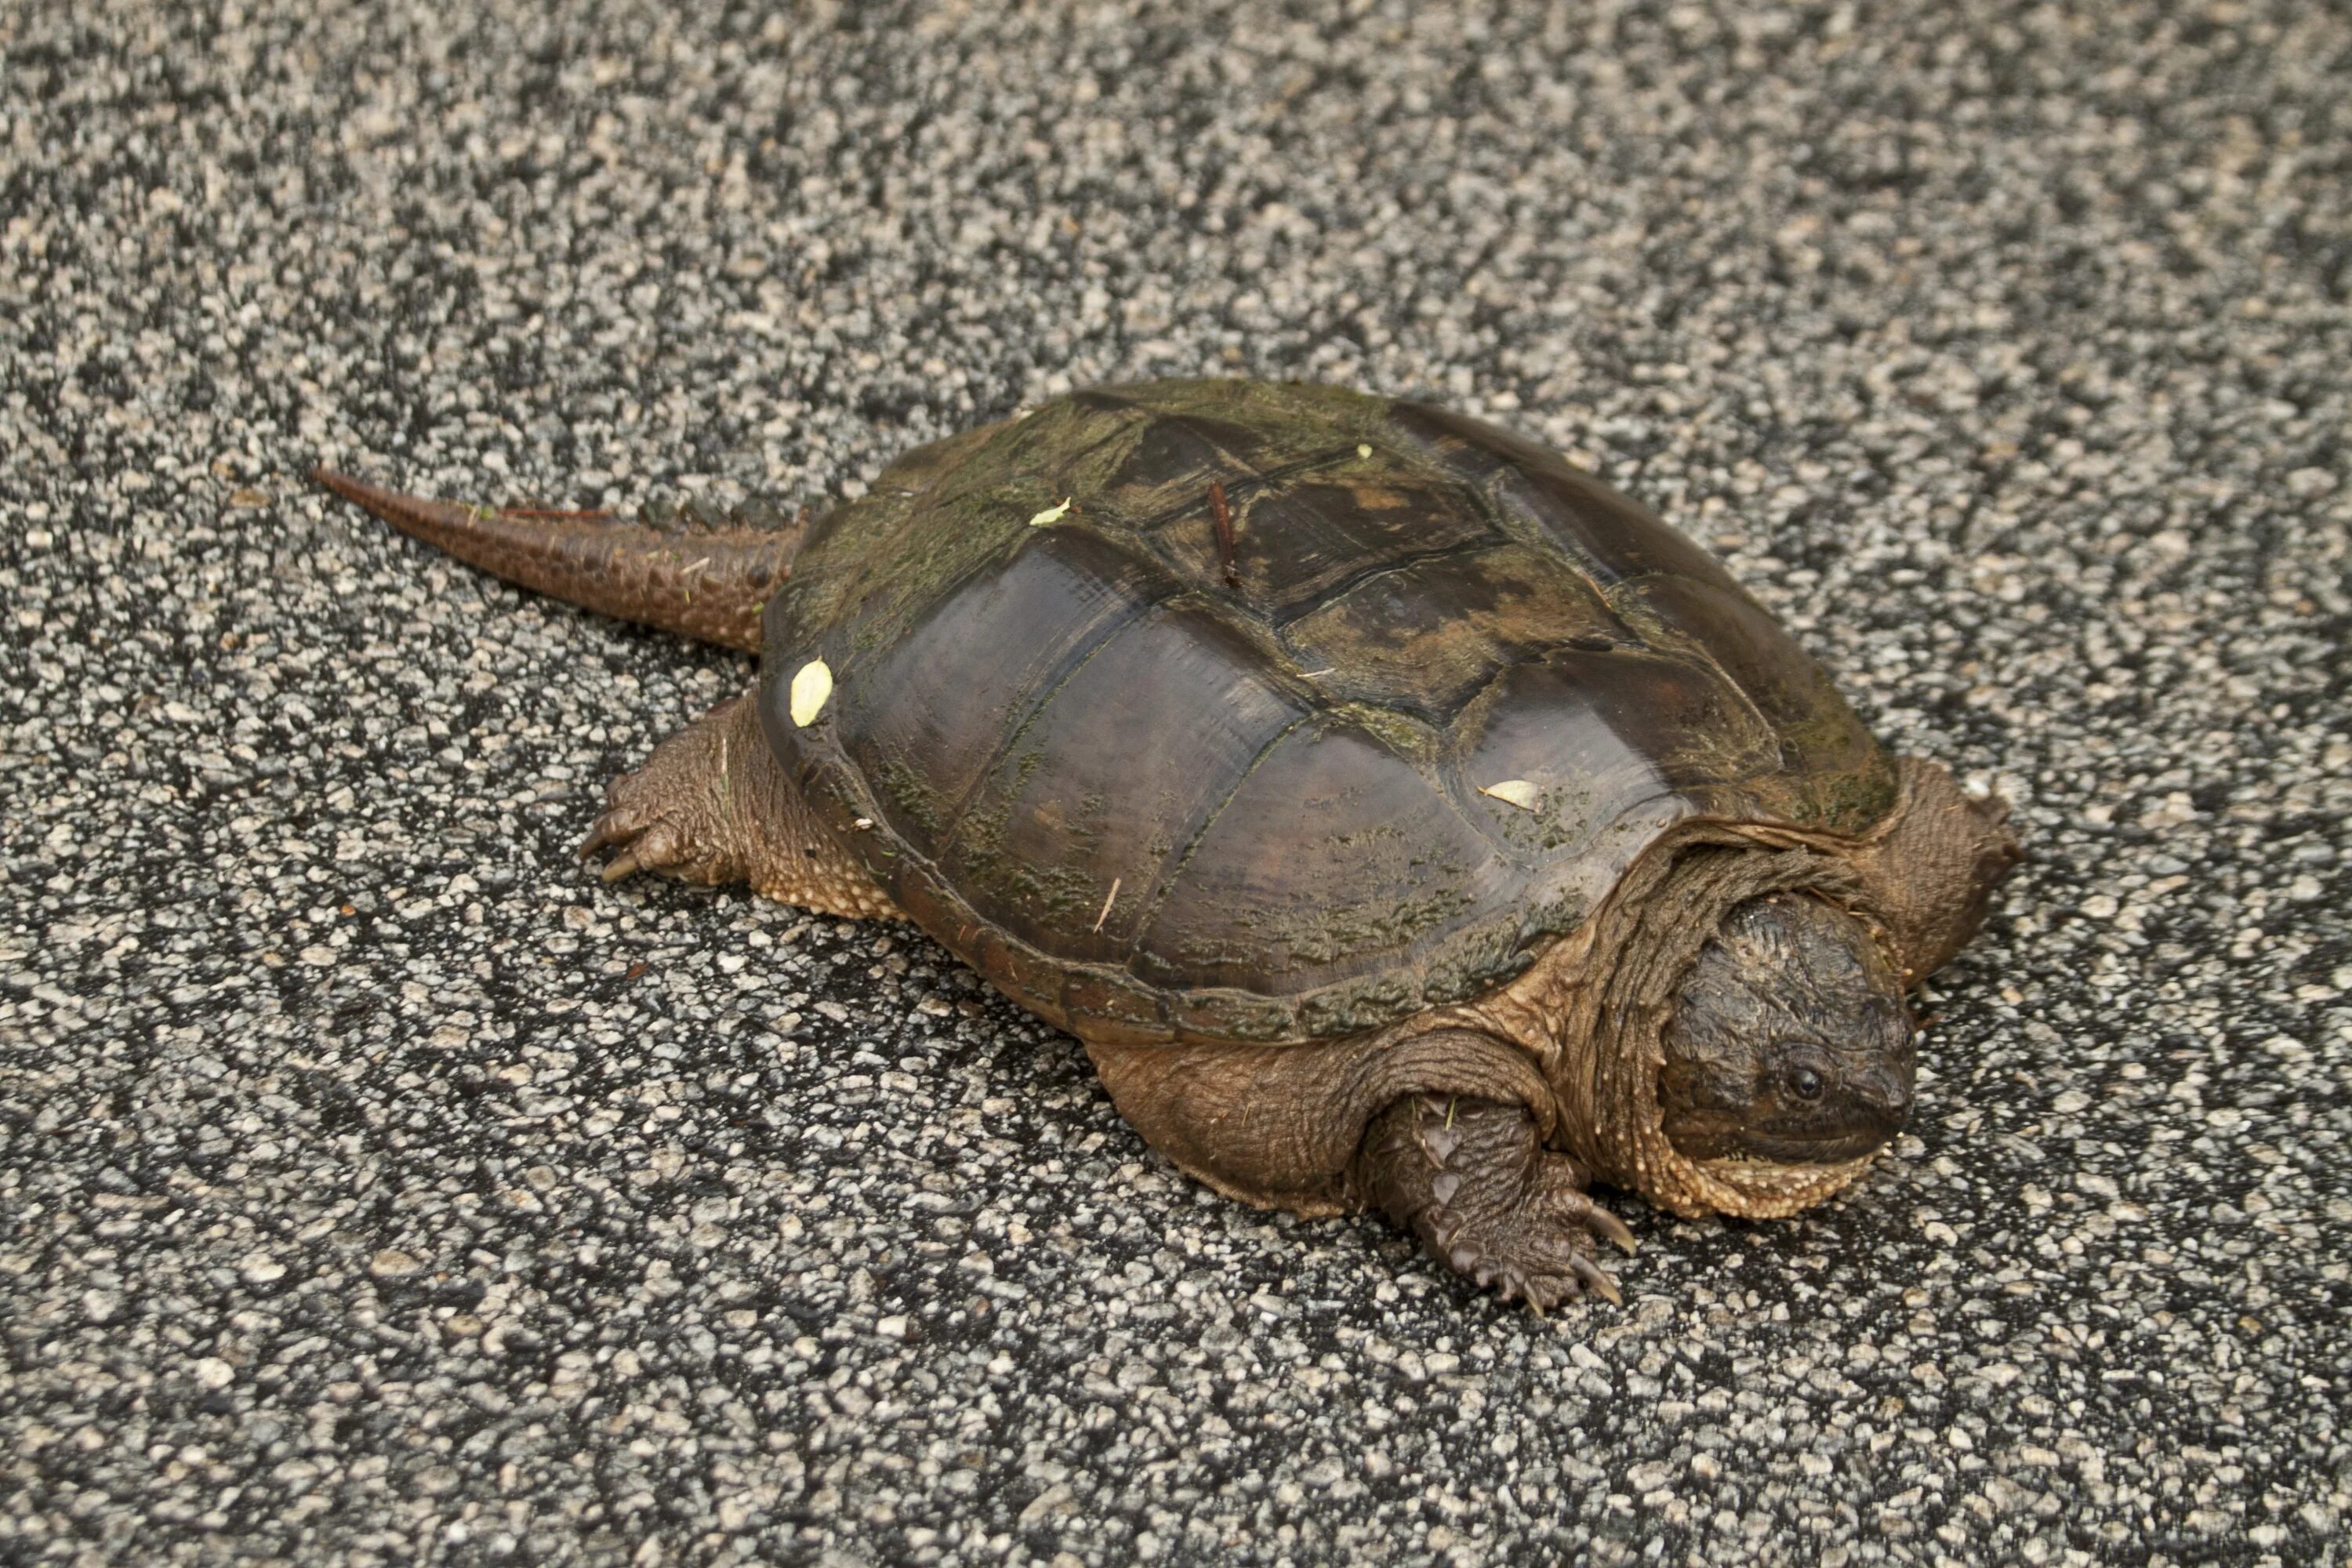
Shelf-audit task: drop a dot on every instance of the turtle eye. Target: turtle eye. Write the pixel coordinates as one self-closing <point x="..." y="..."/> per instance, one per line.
<point x="1805" y="1083"/>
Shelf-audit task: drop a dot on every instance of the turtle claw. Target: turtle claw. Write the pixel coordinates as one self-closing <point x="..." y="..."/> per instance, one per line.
<point x="1572" y="1207"/>
<point x="1546" y="1270"/>
<point x="1590" y="1275"/>
<point x="1545" y="1291"/>
<point x="1609" y="1227"/>
<point x="607" y="832"/>
<point x="653" y="848"/>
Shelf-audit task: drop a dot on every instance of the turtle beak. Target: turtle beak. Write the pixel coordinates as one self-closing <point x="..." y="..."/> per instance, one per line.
<point x="1824" y="1151"/>
<point x="1882" y="1099"/>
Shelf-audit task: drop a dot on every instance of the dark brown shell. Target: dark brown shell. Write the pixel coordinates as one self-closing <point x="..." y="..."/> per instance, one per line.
<point x="1152" y="793"/>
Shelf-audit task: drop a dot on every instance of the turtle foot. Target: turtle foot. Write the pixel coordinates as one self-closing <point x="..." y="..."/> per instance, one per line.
<point x="671" y="816"/>
<point x="710" y="805"/>
<point x="1473" y="1181"/>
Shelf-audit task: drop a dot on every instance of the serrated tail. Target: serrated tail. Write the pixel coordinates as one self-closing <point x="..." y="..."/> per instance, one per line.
<point x="709" y="584"/>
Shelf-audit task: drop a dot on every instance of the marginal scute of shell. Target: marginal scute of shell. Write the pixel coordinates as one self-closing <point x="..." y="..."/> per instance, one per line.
<point x="811" y="687"/>
<point x="1514" y="791"/>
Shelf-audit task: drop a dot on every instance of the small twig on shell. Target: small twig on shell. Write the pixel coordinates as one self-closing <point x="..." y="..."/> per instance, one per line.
<point x="1225" y="519"/>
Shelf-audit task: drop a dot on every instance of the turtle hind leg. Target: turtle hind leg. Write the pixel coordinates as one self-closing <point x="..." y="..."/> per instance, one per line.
<point x="1472" y="1179"/>
<point x="712" y="806"/>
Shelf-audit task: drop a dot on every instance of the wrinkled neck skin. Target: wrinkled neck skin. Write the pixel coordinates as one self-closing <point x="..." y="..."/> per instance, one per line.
<point x="1593" y="1008"/>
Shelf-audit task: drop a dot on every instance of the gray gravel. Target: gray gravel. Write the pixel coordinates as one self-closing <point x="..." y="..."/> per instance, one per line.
<point x="379" y="1188"/>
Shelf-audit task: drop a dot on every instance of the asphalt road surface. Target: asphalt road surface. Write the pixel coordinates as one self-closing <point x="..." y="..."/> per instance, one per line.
<point x="381" y="1188"/>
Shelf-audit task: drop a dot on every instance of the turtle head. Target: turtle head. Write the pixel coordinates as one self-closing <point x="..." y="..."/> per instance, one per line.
<point x="1789" y="1041"/>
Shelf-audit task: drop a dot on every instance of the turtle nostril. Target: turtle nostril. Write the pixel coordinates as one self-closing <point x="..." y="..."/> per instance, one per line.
<point x="1895" y="1096"/>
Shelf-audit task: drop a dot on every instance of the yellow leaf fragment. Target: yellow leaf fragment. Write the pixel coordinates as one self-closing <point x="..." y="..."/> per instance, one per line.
<point x="1051" y="514"/>
<point x="1363" y="449"/>
<point x="811" y="687"/>
<point x="1514" y="791"/>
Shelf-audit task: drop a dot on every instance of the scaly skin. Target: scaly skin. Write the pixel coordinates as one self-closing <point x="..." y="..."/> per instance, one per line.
<point x="705" y="582"/>
<point x="710" y="805"/>
<point x="1472" y="1179"/>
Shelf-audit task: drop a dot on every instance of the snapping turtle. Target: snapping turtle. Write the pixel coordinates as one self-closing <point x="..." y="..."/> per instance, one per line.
<point x="1401" y="816"/>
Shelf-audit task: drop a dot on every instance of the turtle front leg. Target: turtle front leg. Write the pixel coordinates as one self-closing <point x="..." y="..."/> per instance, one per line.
<point x="1472" y="1179"/>
<point x="712" y="806"/>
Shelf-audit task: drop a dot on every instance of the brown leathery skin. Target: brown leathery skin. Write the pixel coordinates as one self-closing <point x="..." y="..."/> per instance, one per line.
<point x="710" y="805"/>
<point x="1273" y="783"/>
<point x="1933" y="866"/>
<point x="706" y="583"/>
<point x="1471" y="1179"/>
<point x="1279" y="1125"/>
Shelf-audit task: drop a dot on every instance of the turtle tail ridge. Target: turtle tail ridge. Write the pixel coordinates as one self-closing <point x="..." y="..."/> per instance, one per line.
<point x="706" y="583"/>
